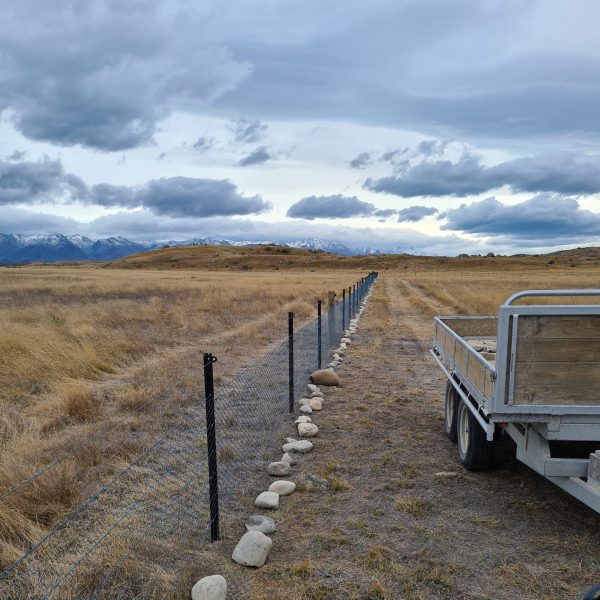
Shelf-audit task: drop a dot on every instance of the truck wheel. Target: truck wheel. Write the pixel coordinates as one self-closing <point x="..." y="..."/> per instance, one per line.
<point x="474" y="451"/>
<point x="451" y="408"/>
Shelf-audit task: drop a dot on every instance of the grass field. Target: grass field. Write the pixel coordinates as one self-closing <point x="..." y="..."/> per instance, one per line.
<point x="84" y="348"/>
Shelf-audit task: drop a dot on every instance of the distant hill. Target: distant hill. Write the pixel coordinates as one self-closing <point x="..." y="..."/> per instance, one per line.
<point x="219" y="257"/>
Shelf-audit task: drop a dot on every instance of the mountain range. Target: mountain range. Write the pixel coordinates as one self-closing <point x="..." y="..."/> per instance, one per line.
<point x="16" y="248"/>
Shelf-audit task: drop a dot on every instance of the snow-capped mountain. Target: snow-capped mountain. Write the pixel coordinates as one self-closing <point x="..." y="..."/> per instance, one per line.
<point x="19" y="248"/>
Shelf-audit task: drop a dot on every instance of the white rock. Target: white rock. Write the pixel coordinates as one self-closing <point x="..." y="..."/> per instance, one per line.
<point x="267" y="500"/>
<point x="307" y="429"/>
<point x="290" y="459"/>
<point x="289" y="440"/>
<point x="304" y="401"/>
<point x="337" y="357"/>
<point x="343" y="346"/>
<point x="278" y="469"/>
<point x="316" y="404"/>
<point x="346" y="340"/>
<point x="313" y="388"/>
<point x="252" y="549"/>
<point x="303" y="419"/>
<point x="305" y="409"/>
<point x="213" y="587"/>
<point x="282" y="487"/>
<point x="261" y="523"/>
<point x="333" y="364"/>
<point x="318" y="394"/>
<point x="301" y="447"/>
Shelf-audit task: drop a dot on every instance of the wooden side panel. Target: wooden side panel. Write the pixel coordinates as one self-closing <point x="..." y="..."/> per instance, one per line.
<point x="486" y="327"/>
<point x="558" y="360"/>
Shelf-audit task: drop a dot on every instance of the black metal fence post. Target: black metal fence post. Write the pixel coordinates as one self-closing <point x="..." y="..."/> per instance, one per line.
<point x="211" y="445"/>
<point x="319" y="333"/>
<point x="344" y="309"/>
<point x="291" y="361"/>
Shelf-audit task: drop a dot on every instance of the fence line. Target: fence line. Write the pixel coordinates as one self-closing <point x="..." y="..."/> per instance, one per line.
<point x="136" y="534"/>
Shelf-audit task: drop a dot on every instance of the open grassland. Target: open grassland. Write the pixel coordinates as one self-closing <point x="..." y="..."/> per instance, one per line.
<point x="102" y="359"/>
<point x="87" y="350"/>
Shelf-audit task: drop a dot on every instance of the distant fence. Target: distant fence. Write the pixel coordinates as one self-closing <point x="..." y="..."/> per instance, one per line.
<point x="138" y="535"/>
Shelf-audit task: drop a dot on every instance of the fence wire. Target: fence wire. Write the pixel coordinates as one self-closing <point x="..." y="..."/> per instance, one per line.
<point x="136" y="536"/>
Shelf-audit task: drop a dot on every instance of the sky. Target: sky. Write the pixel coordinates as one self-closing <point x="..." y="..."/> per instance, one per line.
<point x="433" y="127"/>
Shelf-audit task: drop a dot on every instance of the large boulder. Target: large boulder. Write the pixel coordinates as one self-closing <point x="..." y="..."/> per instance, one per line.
<point x="213" y="587"/>
<point x="325" y="377"/>
<point x="252" y="549"/>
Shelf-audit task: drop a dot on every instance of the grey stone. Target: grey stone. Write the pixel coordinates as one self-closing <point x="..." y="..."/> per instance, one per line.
<point x="213" y="587"/>
<point x="278" y="469"/>
<point x="283" y="487"/>
<point x="305" y="409"/>
<point x="252" y="549"/>
<point x="313" y="388"/>
<point x="290" y="459"/>
<point x="316" y="404"/>
<point x="318" y="394"/>
<point x="290" y="440"/>
<point x="301" y="447"/>
<point x="267" y="500"/>
<point x="303" y="419"/>
<point x="261" y="523"/>
<point x="444" y="474"/>
<point x="307" y="429"/>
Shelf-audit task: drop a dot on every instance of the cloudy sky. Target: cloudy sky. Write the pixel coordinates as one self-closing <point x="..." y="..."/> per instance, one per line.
<point x="430" y="126"/>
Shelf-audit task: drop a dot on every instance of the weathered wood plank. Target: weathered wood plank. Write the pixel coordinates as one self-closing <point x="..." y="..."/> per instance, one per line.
<point x="555" y="373"/>
<point x="486" y="327"/>
<point x="559" y="327"/>
<point x="558" y="350"/>
<point x="569" y="395"/>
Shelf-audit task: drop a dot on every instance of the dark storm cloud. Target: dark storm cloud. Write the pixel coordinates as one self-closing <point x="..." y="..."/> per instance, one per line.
<point x="248" y="132"/>
<point x="543" y="218"/>
<point x="361" y="161"/>
<point x="562" y="172"/>
<point x="103" y="74"/>
<point x="259" y="156"/>
<point x="16" y="156"/>
<point x="45" y="180"/>
<point x="330" y="207"/>
<point x="413" y="214"/>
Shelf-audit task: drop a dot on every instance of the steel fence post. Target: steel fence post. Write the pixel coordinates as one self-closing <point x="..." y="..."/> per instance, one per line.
<point x="344" y="309"/>
<point x="211" y="445"/>
<point x="291" y="361"/>
<point x="319" y="334"/>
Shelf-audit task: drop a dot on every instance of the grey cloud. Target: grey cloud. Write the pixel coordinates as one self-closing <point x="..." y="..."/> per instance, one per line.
<point x="546" y="217"/>
<point x="361" y="161"/>
<point x="560" y="172"/>
<point x="393" y="155"/>
<point x="45" y="180"/>
<point x="248" y="132"/>
<point x="16" y="156"/>
<point x="20" y="220"/>
<point x="385" y="213"/>
<point x="203" y="144"/>
<point x="257" y="157"/>
<point x="330" y="207"/>
<point x="189" y="197"/>
<point x="104" y="74"/>
<point x="413" y="214"/>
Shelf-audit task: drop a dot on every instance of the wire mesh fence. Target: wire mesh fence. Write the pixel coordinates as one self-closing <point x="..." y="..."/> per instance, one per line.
<point x="136" y="535"/>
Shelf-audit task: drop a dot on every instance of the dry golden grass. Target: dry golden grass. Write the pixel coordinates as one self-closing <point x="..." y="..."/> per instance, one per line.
<point x="99" y="361"/>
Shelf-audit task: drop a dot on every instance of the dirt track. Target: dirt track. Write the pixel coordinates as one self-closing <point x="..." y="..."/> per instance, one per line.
<point x="371" y="518"/>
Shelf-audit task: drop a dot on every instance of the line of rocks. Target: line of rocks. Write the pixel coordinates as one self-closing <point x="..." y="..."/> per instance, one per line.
<point x="252" y="550"/>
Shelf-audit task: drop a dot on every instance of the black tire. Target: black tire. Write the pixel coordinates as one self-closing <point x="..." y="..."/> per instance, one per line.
<point x="451" y="402"/>
<point x="474" y="451"/>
